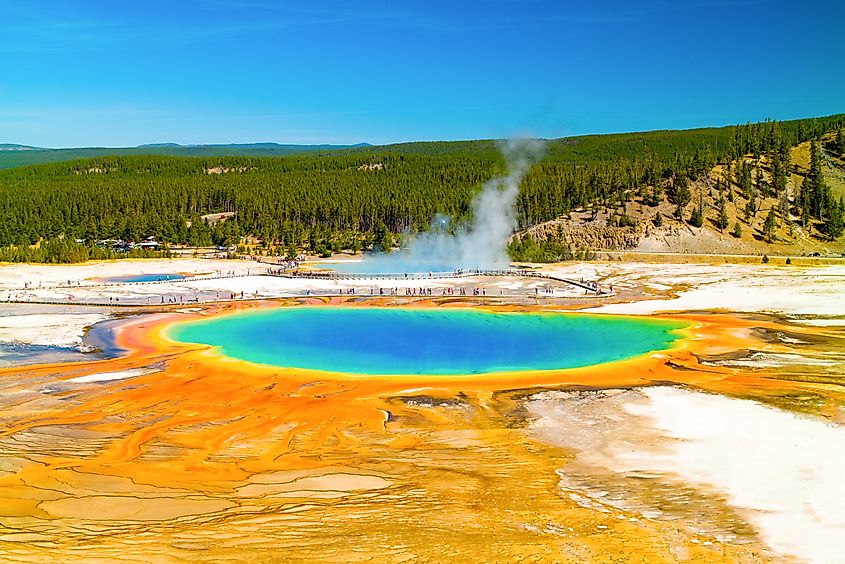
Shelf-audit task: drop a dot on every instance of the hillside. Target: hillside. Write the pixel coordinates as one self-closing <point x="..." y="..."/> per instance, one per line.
<point x="21" y="155"/>
<point x="587" y="193"/>
<point x="600" y="229"/>
<point x="656" y="145"/>
<point x="659" y="145"/>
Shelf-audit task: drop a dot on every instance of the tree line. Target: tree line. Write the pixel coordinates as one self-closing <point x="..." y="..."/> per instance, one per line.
<point x="64" y="250"/>
<point x="357" y="198"/>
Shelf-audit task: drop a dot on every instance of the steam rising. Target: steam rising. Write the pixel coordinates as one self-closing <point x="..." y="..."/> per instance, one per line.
<point x="480" y="244"/>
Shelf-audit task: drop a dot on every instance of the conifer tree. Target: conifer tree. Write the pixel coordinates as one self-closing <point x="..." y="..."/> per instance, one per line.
<point x="722" y="221"/>
<point x="751" y="207"/>
<point x="745" y="179"/>
<point x="834" y="224"/>
<point x="769" y="225"/>
<point x="817" y="188"/>
<point x="280" y="202"/>
<point x="803" y="203"/>
<point x="382" y="238"/>
<point x="697" y="218"/>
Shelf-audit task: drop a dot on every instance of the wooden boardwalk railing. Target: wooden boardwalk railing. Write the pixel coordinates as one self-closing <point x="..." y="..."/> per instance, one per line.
<point x="470" y="273"/>
<point x="182" y="299"/>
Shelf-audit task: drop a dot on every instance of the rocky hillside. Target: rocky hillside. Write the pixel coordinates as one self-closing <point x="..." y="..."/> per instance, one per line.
<point x="733" y="219"/>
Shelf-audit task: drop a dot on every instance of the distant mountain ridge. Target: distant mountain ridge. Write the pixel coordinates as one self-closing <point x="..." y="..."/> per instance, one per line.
<point x="13" y="155"/>
<point x="589" y="148"/>
<point x="16" y="147"/>
<point x="264" y="145"/>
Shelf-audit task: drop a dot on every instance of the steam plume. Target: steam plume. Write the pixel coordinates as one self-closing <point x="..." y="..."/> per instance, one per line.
<point x="482" y="243"/>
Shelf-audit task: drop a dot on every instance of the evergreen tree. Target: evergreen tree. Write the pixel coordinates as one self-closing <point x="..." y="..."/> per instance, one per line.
<point x="696" y="218"/>
<point x="382" y="237"/>
<point x="722" y="221"/>
<point x="834" y="224"/>
<point x="817" y="188"/>
<point x="769" y="225"/>
<point x="680" y="193"/>
<point x="804" y="202"/>
<point x="291" y="252"/>
<point x="322" y="199"/>
<point x="751" y="207"/>
<point x="759" y="182"/>
<point x="737" y="230"/>
<point x="777" y="172"/>
<point x="745" y="185"/>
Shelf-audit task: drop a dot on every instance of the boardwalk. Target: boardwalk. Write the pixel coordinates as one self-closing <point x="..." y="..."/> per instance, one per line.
<point x="509" y="273"/>
<point x="179" y="292"/>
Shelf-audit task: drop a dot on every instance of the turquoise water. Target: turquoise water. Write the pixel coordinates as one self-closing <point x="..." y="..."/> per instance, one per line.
<point x="374" y="266"/>
<point x="425" y="341"/>
<point x="144" y="278"/>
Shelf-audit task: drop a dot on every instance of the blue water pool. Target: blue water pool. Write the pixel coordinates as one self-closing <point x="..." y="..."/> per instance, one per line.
<point x="380" y="267"/>
<point x="375" y="341"/>
<point x="144" y="278"/>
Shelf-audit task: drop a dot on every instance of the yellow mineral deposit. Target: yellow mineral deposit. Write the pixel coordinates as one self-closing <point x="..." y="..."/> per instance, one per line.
<point x="175" y="453"/>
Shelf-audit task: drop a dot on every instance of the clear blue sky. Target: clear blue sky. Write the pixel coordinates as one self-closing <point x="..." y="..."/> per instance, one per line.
<point x="118" y="73"/>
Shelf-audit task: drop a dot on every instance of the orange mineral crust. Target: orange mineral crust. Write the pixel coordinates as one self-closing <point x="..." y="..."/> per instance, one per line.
<point x="175" y="453"/>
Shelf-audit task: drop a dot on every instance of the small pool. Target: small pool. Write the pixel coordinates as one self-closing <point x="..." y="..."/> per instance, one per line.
<point x="143" y="278"/>
<point x="374" y="267"/>
<point x="381" y="341"/>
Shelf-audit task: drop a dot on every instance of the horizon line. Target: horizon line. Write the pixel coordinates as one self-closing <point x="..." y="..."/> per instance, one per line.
<point x="367" y="143"/>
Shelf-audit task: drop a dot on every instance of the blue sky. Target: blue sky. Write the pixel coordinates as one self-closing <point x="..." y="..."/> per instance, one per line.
<point x="119" y="73"/>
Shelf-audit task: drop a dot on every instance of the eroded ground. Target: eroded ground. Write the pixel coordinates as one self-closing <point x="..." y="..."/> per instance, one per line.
<point x="172" y="454"/>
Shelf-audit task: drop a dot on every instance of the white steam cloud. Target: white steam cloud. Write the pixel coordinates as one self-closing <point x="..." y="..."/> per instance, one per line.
<point x="482" y="243"/>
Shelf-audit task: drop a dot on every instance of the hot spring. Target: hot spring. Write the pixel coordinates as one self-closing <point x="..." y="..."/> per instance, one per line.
<point x="374" y="266"/>
<point x="161" y="277"/>
<point x="382" y="341"/>
<point x="397" y="268"/>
